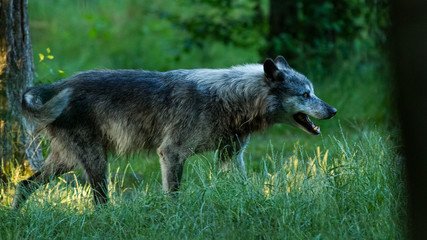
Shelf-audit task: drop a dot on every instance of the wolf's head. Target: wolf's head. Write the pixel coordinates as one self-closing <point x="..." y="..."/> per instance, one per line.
<point x="296" y="96"/>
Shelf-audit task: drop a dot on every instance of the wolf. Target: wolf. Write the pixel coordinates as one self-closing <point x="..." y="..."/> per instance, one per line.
<point x="178" y="113"/>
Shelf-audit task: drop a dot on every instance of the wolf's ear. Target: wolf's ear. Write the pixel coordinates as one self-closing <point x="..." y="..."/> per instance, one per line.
<point x="272" y="72"/>
<point x="281" y="62"/>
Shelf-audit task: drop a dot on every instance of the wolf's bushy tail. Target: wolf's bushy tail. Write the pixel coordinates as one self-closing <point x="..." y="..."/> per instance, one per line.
<point x="41" y="111"/>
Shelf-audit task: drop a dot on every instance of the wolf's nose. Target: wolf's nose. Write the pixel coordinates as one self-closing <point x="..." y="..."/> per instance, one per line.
<point x="333" y="111"/>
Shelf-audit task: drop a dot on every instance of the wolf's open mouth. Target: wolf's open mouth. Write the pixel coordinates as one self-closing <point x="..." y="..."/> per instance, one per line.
<point x="304" y="121"/>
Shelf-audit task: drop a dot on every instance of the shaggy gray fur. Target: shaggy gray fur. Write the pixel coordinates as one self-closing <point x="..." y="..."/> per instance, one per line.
<point x="179" y="113"/>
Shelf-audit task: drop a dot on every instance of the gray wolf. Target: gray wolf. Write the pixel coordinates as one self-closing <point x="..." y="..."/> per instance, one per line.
<point x="178" y="113"/>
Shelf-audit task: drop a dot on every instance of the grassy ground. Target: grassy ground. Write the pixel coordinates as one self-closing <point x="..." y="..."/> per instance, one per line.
<point x="346" y="183"/>
<point x="346" y="189"/>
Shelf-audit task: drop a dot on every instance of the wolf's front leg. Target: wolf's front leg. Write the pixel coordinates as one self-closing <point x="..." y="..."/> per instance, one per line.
<point x="240" y="160"/>
<point x="172" y="163"/>
<point x="238" y="146"/>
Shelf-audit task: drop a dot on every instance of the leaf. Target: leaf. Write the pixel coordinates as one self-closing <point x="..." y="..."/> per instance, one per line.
<point x="62" y="73"/>
<point x="41" y="56"/>
<point x="48" y="50"/>
<point x="50" y="56"/>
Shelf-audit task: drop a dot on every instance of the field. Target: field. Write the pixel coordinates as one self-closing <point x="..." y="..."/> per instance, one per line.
<point x="347" y="183"/>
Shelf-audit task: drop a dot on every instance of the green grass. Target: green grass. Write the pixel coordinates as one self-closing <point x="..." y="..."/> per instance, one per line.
<point x="351" y="189"/>
<point x="347" y="183"/>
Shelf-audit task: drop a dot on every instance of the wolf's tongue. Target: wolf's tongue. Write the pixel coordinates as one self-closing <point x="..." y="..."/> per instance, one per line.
<point x="305" y="122"/>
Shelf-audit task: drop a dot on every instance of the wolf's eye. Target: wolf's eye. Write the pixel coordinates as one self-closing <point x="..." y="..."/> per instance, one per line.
<point x="306" y="95"/>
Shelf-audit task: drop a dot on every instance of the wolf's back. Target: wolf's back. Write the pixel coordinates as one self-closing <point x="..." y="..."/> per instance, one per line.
<point x="43" y="104"/>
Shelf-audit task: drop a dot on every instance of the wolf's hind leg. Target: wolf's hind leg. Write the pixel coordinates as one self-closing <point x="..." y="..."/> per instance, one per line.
<point x="93" y="159"/>
<point x="51" y="169"/>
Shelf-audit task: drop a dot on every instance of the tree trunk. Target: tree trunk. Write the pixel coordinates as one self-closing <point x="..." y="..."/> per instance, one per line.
<point x="409" y="38"/>
<point x="16" y="75"/>
<point x="282" y="16"/>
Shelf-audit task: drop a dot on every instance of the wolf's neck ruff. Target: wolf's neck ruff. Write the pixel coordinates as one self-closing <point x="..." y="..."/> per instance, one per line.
<point x="243" y="97"/>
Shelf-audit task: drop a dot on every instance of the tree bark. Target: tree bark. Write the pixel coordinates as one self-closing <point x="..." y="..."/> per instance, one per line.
<point x="16" y="75"/>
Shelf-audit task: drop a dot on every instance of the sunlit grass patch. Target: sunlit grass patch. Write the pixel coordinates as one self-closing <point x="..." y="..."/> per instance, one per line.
<point x="352" y="188"/>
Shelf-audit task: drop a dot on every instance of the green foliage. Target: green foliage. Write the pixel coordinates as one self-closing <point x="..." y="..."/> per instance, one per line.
<point x="137" y="34"/>
<point x="164" y="35"/>
<point x="231" y="22"/>
<point x="325" y="30"/>
<point x="45" y="64"/>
